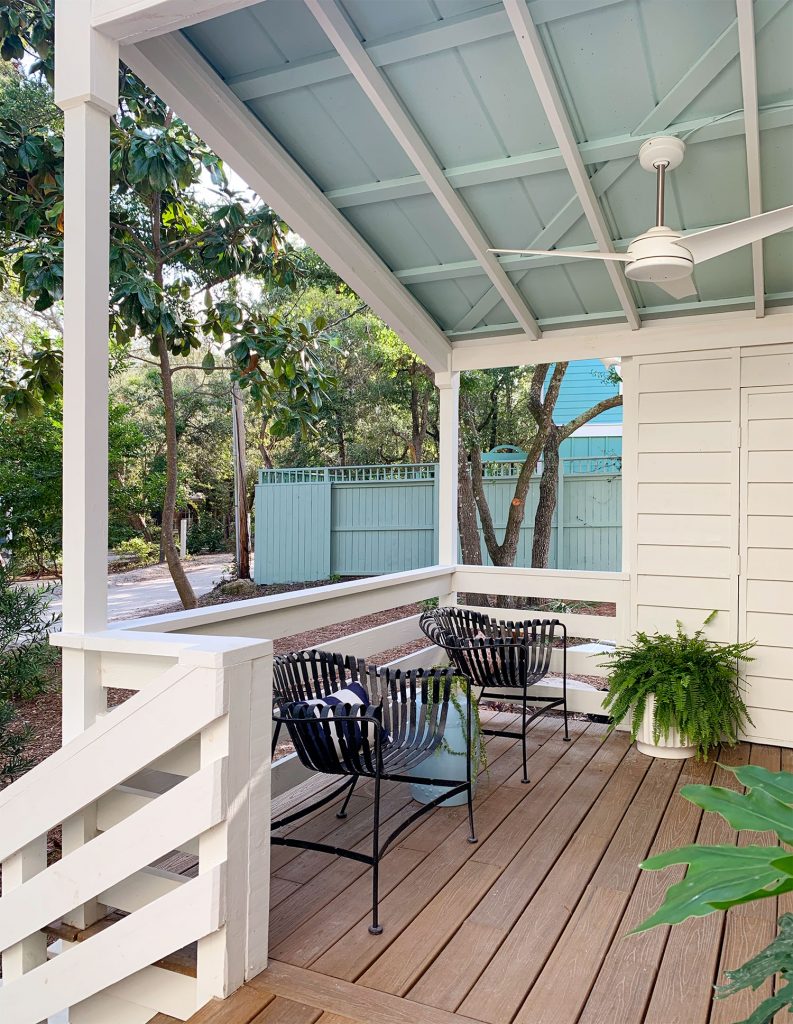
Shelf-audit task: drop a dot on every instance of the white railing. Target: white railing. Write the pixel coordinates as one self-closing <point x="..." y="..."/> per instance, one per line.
<point x="206" y="722"/>
<point x="201" y="721"/>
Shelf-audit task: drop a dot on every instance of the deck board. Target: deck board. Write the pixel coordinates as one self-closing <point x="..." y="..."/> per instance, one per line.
<point x="531" y="924"/>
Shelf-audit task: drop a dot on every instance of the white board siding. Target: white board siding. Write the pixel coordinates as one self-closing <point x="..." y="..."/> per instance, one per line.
<point x="705" y="531"/>
<point x="686" y="437"/>
<point x="671" y="560"/>
<point x="685" y="467"/>
<point x="701" y="374"/>
<point x="655" y="618"/>
<point x="684" y="550"/>
<point x="766" y="586"/>
<point x="770" y="367"/>
<point x="686" y="406"/>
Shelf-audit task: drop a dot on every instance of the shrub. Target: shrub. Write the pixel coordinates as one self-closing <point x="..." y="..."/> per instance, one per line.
<point x="206" y="536"/>
<point x="695" y="682"/>
<point x="25" y="658"/>
<point x="145" y="551"/>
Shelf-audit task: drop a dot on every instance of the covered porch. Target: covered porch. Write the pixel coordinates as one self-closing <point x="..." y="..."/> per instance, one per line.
<point x="455" y="128"/>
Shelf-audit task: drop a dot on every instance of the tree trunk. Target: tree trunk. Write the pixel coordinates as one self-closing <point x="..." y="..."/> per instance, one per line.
<point x="543" y="517"/>
<point x="167" y="544"/>
<point x="466" y="511"/>
<point x="240" y="476"/>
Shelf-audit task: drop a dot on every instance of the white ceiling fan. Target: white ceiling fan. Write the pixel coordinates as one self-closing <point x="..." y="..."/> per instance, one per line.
<point x="663" y="256"/>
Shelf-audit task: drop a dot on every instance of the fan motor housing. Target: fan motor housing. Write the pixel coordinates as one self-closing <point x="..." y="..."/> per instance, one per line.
<point x="657" y="256"/>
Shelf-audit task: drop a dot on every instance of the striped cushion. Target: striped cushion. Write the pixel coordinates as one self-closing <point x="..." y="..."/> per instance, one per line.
<point x="351" y="696"/>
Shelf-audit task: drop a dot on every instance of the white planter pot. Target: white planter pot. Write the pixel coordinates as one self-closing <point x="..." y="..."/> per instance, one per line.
<point x="674" y="746"/>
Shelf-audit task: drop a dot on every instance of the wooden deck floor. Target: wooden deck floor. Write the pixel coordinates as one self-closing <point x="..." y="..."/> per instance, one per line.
<point x="530" y="925"/>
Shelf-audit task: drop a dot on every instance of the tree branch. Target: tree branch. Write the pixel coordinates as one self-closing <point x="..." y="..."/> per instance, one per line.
<point x="570" y="428"/>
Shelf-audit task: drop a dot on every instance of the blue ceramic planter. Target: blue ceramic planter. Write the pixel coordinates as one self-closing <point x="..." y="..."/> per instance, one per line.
<point x="444" y="764"/>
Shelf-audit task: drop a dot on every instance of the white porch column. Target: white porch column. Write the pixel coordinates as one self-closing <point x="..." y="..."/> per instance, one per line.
<point x="448" y="428"/>
<point x="86" y="89"/>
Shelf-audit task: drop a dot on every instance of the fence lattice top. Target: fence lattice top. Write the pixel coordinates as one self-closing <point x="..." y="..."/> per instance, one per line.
<point x="425" y="471"/>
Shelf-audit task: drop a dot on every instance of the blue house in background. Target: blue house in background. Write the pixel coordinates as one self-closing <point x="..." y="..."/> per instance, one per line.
<point x="585" y="384"/>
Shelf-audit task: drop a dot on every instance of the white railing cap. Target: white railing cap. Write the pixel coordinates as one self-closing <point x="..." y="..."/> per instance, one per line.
<point x="189" y="649"/>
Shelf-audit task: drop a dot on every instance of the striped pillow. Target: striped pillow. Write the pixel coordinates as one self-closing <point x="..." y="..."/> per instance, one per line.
<point x="352" y="696"/>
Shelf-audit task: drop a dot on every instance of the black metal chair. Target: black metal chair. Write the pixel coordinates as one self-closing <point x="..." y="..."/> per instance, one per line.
<point x="401" y="726"/>
<point x="497" y="655"/>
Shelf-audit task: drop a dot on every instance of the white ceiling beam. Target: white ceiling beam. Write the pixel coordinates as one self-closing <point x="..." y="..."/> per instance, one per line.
<point x="385" y="101"/>
<point x="702" y="72"/>
<point x="173" y="69"/>
<point x="748" y="58"/>
<point x="129" y="21"/>
<point x="702" y="332"/>
<point x="555" y="229"/>
<point x="537" y="62"/>
<point x="443" y="35"/>
<point x="596" y="151"/>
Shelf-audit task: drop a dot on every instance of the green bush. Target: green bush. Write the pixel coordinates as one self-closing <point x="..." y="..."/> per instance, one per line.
<point x="25" y="660"/>
<point x="695" y="682"/>
<point x="206" y="536"/>
<point x="145" y="551"/>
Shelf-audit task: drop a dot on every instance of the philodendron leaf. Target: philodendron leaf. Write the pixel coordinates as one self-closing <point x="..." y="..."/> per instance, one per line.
<point x="719" y="877"/>
<point x="775" y="784"/>
<point x="756" y="810"/>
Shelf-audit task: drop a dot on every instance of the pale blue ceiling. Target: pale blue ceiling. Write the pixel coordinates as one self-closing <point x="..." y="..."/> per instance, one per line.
<point x="626" y="69"/>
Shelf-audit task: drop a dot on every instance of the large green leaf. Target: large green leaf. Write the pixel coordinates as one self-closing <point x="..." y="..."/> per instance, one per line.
<point x="719" y="877"/>
<point x="756" y="810"/>
<point x="776" y="784"/>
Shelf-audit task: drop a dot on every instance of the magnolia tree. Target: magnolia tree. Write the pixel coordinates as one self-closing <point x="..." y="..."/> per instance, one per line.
<point x="185" y="250"/>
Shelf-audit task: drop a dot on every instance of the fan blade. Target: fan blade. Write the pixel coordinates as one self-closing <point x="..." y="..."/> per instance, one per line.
<point x="679" y="289"/>
<point x="618" y="257"/>
<point x="704" y="245"/>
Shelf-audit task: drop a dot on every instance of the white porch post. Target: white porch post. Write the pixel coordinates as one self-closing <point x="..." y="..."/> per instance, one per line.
<point x="86" y="89"/>
<point x="448" y="428"/>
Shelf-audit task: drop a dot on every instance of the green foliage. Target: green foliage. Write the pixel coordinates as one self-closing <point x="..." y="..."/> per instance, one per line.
<point x="25" y="654"/>
<point x="25" y="658"/>
<point x="775" y="959"/>
<point x="14" y="738"/>
<point x="144" y="551"/>
<point x="720" y="877"/>
<point x="695" y="683"/>
<point x="206" y="536"/>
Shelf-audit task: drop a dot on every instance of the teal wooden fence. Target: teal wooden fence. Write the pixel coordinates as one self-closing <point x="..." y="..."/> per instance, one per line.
<point x="364" y="520"/>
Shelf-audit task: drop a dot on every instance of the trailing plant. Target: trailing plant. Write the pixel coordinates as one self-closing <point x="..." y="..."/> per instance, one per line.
<point x="724" y="876"/>
<point x="478" y="745"/>
<point x="695" y="682"/>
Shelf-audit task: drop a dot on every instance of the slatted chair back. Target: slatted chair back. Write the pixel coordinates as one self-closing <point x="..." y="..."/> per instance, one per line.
<point x="493" y="653"/>
<point x="406" y="712"/>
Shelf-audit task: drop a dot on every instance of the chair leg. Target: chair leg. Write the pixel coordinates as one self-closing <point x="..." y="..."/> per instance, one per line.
<point x="343" y="812"/>
<point x="564" y="688"/>
<point x="525" y="778"/>
<point x="375" y="928"/>
<point x="276" y="731"/>
<point x="469" y="772"/>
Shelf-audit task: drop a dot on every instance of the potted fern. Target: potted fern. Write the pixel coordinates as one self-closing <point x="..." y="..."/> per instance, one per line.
<point x="680" y="693"/>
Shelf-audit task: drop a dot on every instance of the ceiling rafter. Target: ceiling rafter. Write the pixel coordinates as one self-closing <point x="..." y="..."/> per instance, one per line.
<point x="442" y="35"/>
<point x="335" y="25"/>
<point x="596" y="151"/>
<point x="537" y="62"/>
<point x="703" y="71"/>
<point x="748" y="59"/>
<point x="175" y="71"/>
<point x="555" y="229"/>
